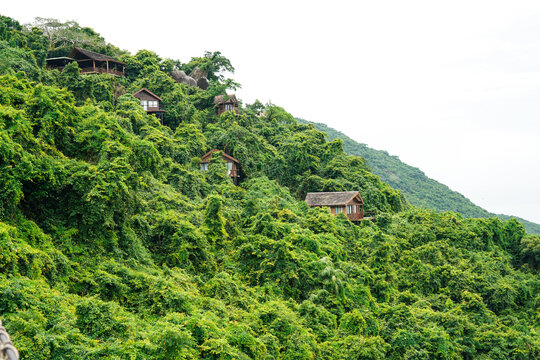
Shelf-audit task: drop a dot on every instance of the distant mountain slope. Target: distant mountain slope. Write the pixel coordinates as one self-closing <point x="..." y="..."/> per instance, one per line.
<point x="419" y="189"/>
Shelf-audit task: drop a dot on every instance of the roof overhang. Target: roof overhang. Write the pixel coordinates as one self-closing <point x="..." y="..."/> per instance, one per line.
<point x="148" y="91"/>
<point x="206" y="157"/>
<point x="335" y="198"/>
<point x="60" y="58"/>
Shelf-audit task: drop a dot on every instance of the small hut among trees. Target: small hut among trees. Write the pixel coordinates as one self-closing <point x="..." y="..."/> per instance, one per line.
<point x="90" y="62"/>
<point x="150" y="102"/>
<point x="225" y="103"/>
<point x="348" y="202"/>
<point x="232" y="164"/>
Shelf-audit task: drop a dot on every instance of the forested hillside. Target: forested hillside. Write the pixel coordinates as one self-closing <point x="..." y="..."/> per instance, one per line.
<point x="419" y="189"/>
<point x="115" y="245"/>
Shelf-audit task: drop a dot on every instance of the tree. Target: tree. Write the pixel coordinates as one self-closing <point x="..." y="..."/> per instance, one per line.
<point x="530" y="251"/>
<point x="212" y="62"/>
<point x="63" y="36"/>
<point x="214" y="220"/>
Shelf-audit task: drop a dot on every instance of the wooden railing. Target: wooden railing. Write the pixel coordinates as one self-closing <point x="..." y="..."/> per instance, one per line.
<point x="361" y="215"/>
<point x="159" y="108"/>
<point x="99" y="70"/>
<point x="355" y="216"/>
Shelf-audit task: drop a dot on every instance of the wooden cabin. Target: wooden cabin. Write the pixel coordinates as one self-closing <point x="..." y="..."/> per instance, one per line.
<point x="93" y="63"/>
<point x="348" y="202"/>
<point x="232" y="164"/>
<point x="150" y="102"/>
<point x="224" y="103"/>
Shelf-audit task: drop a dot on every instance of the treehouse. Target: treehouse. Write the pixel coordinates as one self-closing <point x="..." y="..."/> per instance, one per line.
<point x="348" y="202"/>
<point x="224" y="103"/>
<point x="232" y="164"/>
<point x="93" y="63"/>
<point x="150" y="102"/>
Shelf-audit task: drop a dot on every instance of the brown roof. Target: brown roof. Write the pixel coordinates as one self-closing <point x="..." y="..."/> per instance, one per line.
<point x="224" y="99"/>
<point x="148" y="91"/>
<point x="332" y="198"/>
<point x="92" y="55"/>
<point x="206" y="157"/>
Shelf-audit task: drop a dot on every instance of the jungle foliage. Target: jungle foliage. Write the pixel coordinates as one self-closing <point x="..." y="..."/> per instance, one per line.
<point x="115" y="245"/>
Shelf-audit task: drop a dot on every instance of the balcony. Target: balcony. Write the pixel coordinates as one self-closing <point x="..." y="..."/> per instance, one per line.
<point x="99" y="70"/>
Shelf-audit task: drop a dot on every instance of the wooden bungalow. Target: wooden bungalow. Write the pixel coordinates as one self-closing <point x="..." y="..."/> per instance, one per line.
<point x="94" y="63"/>
<point x="348" y="202"/>
<point x="150" y="102"/>
<point x="225" y="103"/>
<point x="232" y="164"/>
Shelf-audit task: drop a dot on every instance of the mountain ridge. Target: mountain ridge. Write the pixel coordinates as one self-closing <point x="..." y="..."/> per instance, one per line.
<point x="417" y="187"/>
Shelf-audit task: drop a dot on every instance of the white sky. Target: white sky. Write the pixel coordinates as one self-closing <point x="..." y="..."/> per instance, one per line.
<point x="450" y="87"/>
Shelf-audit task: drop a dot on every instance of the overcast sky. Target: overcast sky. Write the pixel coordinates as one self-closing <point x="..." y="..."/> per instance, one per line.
<point x="450" y="87"/>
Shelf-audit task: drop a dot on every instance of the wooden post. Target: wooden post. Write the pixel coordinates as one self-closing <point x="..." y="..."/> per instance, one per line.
<point x="94" y="65"/>
<point x="107" y="66"/>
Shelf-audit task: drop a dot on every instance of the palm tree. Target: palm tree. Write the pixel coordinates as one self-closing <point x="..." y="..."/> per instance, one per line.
<point x="332" y="277"/>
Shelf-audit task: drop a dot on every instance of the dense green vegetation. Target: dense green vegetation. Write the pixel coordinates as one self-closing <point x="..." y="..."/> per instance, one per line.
<point x="419" y="189"/>
<point x="114" y="245"/>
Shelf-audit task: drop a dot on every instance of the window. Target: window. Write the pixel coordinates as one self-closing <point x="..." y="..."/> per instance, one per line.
<point x="351" y="209"/>
<point x="153" y="104"/>
<point x="204" y="166"/>
<point x="339" y="209"/>
<point x="230" y="168"/>
<point x="228" y="107"/>
<point x="144" y="104"/>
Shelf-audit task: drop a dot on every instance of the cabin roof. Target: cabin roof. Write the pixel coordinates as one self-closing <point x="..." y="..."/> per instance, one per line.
<point x="224" y="99"/>
<point x="147" y="91"/>
<point x="206" y="157"/>
<point x="92" y="55"/>
<point x="332" y="198"/>
<point x="60" y="58"/>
